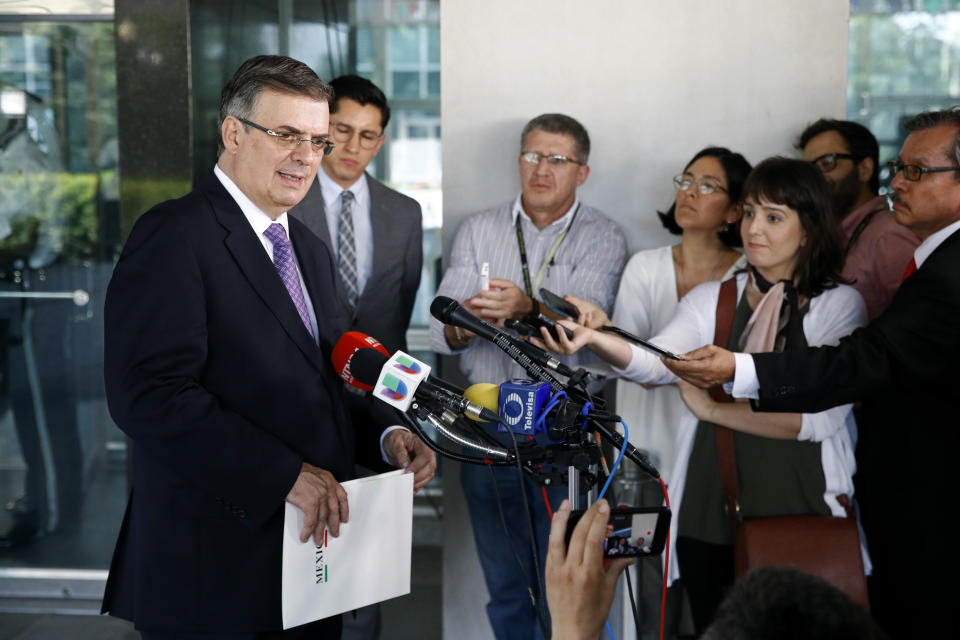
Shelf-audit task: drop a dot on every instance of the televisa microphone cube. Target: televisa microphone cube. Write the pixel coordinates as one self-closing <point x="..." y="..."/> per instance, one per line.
<point x="521" y="401"/>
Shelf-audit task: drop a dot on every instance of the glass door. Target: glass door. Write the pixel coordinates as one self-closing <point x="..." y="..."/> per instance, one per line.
<point x="62" y="461"/>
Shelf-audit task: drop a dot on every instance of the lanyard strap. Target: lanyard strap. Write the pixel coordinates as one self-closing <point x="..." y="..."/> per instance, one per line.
<point x="547" y="259"/>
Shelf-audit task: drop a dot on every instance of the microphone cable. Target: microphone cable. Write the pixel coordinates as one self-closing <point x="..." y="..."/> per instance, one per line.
<point x="415" y="426"/>
<point x="666" y="563"/>
<point x="535" y="587"/>
<point x="633" y="602"/>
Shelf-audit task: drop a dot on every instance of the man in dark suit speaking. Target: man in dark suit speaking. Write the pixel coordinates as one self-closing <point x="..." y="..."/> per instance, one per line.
<point x="218" y="331"/>
<point x="901" y="366"/>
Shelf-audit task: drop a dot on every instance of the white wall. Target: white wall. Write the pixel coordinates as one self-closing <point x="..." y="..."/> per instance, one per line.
<point x="653" y="82"/>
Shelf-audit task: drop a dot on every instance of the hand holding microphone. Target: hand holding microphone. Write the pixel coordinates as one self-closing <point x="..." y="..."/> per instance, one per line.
<point x="534" y="360"/>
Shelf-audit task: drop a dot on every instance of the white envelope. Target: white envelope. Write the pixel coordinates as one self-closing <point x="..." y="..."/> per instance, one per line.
<point x="369" y="562"/>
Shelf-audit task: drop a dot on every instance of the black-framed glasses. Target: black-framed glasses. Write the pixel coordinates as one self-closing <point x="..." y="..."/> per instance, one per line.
<point x="292" y="141"/>
<point x="343" y="133"/>
<point x="682" y="183"/>
<point x="556" y="160"/>
<point x="828" y="161"/>
<point x="913" y="172"/>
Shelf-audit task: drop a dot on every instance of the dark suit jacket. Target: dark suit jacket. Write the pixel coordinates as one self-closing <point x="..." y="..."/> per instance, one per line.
<point x="902" y="366"/>
<point x="386" y="302"/>
<point x="211" y="372"/>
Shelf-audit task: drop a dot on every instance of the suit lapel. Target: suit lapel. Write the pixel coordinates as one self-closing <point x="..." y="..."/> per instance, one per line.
<point x="312" y="212"/>
<point x="247" y="251"/>
<point x="316" y="264"/>
<point x="318" y="274"/>
<point x="946" y="248"/>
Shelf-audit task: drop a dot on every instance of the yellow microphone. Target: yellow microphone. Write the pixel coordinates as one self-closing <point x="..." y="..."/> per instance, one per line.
<point x="485" y="394"/>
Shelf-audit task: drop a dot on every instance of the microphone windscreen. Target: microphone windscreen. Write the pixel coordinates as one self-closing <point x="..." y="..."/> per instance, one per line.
<point x="367" y="365"/>
<point x="345" y="352"/>
<point x="441" y="307"/>
<point x="485" y="394"/>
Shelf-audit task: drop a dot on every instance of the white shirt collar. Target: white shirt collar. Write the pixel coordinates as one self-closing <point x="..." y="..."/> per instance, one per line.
<point x="561" y="221"/>
<point x="933" y="241"/>
<point x="257" y="218"/>
<point x="331" y="190"/>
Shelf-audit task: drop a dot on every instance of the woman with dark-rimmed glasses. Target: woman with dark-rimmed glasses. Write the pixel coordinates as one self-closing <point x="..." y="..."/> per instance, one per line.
<point x="790" y="296"/>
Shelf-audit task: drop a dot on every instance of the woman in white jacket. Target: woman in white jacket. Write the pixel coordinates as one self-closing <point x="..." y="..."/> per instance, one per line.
<point x="790" y="296"/>
<point x="709" y="192"/>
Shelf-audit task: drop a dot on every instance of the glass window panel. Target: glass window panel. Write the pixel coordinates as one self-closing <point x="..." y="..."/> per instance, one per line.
<point x="902" y="61"/>
<point x="406" y="84"/>
<point x="62" y="462"/>
<point x="433" y="43"/>
<point x="404" y="44"/>
<point x="433" y="84"/>
<point x="364" y="53"/>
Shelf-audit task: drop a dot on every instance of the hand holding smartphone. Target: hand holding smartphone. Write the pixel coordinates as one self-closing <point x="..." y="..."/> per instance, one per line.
<point x="632" y="532"/>
<point x="649" y="346"/>
<point x="558" y="305"/>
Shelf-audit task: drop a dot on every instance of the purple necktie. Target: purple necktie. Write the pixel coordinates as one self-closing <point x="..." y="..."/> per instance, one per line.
<point x="283" y="261"/>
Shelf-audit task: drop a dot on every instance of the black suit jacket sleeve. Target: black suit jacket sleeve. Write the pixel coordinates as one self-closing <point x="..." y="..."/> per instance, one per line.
<point x="154" y="362"/>
<point x="914" y="345"/>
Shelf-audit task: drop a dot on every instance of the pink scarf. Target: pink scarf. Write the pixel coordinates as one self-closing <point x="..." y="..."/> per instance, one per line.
<point x="769" y="317"/>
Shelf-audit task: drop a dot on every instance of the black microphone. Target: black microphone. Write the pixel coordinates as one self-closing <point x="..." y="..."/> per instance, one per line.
<point x="449" y="311"/>
<point x="367" y="364"/>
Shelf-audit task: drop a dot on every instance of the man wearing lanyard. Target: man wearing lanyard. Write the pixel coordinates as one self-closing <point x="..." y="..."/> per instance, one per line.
<point x="545" y="237"/>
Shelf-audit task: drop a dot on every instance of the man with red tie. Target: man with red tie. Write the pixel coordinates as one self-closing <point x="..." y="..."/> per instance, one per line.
<point x="876" y="248"/>
<point x="902" y="368"/>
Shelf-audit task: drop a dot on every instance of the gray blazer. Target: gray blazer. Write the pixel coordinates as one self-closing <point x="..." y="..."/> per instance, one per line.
<point x="386" y="302"/>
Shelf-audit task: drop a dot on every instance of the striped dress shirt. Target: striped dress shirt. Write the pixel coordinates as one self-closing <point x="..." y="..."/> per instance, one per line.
<point x="587" y="265"/>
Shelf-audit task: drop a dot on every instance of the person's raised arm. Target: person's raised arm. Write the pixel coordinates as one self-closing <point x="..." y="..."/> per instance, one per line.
<point x="739" y="415"/>
<point x="580" y="588"/>
<point x="704" y="367"/>
<point x="609" y="347"/>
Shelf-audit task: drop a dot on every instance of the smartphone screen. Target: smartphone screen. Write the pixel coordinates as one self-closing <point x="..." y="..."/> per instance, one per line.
<point x="558" y="305"/>
<point x="631" y="532"/>
<point x="649" y="346"/>
<point x="553" y="326"/>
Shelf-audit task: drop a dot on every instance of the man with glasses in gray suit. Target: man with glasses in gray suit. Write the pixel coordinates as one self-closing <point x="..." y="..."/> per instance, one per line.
<point x="374" y="234"/>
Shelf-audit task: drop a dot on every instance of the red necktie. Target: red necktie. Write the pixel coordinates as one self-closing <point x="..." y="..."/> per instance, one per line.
<point x="910" y="270"/>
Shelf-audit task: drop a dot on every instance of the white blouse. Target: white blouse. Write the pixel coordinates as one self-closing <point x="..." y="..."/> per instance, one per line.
<point x="646" y="302"/>
<point x="832" y="315"/>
